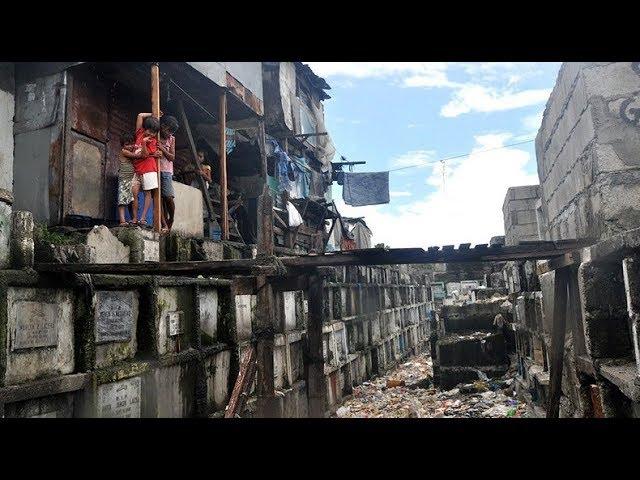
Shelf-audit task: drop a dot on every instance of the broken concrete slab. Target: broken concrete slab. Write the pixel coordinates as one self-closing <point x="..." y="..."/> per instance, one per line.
<point x="107" y="247"/>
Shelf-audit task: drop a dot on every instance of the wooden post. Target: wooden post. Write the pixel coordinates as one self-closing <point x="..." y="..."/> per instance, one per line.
<point x="557" y="340"/>
<point x="316" y="382"/>
<point x="265" y="202"/>
<point x="267" y="403"/>
<point x="155" y="110"/>
<point x="196" y="162"/>
<point x="223" y="165"/>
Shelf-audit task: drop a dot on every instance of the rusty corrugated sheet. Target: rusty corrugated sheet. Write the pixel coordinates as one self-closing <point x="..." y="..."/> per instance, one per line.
<point x="89" y="105"/>
<point x="244" y="94"/>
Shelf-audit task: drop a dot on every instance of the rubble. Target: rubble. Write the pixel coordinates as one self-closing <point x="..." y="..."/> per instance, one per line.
<point x="493" y="398"/>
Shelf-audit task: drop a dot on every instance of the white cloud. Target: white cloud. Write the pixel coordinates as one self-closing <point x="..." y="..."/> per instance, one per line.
<point x="468" y="208"/>
<point x="477" y="98"/>
<point x="414" y="158"/>
<point x="377" y="69"/>
<point x="400" y="194"/>
<point x="488" y="87"/>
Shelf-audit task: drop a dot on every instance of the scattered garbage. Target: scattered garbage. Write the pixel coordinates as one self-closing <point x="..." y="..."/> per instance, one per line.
<point x="408" y="392"/>
<point x="392" y="383"/>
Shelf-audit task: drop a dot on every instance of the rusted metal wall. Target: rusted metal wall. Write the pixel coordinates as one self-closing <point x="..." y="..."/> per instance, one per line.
<point x="40" y="105"/>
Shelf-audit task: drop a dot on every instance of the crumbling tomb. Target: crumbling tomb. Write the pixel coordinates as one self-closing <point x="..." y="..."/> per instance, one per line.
<point x="242" y="312"/>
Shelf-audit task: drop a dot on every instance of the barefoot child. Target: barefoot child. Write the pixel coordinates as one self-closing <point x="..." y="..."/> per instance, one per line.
<point x="147" y="128"/>
<point x="128" y="183"/>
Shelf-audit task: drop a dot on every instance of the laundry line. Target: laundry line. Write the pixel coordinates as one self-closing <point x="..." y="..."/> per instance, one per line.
<point x="435" y="162"/>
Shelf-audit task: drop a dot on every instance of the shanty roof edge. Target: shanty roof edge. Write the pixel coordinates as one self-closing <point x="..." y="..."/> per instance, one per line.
<point x="319" y="83"/>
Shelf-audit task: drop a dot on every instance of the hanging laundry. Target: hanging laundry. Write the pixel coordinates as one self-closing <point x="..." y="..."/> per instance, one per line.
<point x="362" y="189"/>
<point x="300" y="185"/>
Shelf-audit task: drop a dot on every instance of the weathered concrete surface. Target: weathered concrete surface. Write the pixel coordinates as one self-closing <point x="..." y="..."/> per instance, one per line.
<point x="604" y="310"/>
<point x="175" y="390"/>
<point x="174" y="319"/>
<point x="189" y="214"/>
<point x="586" y="151"/>
<point x="208" y="305"/>
<point x="52" y="406"/>
<point x="217" y="368"/>
<point x="144" y="245"/>
<point x="245" y="312"/>
<point x="7" y="102"/>
<point x="474" y="316"/>
<point x="519" y="212"/>
<point x="5" y="234"/>
<point x="22" y="246"/>
<point x="116" y="318"/>
<point x="121" y="399"/>
<point x="107" y="247"/>
<point x="46" y="348"/>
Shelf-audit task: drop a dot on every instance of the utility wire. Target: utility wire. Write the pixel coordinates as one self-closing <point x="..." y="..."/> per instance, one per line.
<point x="442" y="160"/>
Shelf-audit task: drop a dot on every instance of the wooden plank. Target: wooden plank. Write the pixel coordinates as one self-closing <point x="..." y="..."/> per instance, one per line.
<point x="155" y="110"/>
<point x="223" y="164"/>
<point x="196" y="161"/>
<point x="557" y="341"/>
<point x="242" y="387"/>
<point x="316" y="381"/>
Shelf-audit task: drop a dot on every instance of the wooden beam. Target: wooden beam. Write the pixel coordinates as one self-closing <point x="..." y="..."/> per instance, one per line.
<point x="558" y="334"/>
<point x="316" y="382"/>
<point x="196" y="161"/>
<point x="224" y="215"/>
<point x="371" y="256"/>
<point x="267" y="403"/>
<point x="243" y="383"/>
<point x="155" y="110"/>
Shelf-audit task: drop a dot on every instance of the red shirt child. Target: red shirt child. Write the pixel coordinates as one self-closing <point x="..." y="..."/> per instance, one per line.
<point x="147" y="164"/>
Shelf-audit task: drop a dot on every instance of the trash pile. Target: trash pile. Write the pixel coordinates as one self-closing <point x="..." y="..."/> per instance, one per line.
<point x="408" y="392"/>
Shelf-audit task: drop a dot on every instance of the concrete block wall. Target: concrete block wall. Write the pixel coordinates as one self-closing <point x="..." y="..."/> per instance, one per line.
<point x="601" y="367"/>
<point x="519" y="212"/>
<point x="375" y="318"/>
<point x="586" y="151"/>
<point x="468" y="342"/>
<point x="116" y="347"/>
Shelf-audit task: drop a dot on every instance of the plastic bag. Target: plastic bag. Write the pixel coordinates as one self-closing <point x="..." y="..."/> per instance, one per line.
<point x="294" y="216"/>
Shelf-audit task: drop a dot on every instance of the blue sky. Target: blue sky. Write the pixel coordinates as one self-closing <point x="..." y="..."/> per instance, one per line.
<point x="393" y="115"/>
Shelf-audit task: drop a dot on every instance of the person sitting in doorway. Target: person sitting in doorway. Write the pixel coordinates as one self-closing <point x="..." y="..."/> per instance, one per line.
<point x="147" y="128"/>
<point x="167" y="146"/>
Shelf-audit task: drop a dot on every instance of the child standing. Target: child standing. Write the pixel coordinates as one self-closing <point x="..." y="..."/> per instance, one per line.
<point x="147" y="128"/>
<point x="167" y="146"/>
<point x="127" y="177"/>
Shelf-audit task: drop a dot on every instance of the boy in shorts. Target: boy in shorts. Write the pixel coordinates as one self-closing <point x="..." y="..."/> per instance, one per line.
<point x="147" y="128"/>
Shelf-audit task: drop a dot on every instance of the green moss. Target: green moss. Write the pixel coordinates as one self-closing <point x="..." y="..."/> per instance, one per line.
<point x="42" y="234"/>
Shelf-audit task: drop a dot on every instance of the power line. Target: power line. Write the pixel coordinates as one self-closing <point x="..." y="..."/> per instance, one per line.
<point x="442" y="160"/>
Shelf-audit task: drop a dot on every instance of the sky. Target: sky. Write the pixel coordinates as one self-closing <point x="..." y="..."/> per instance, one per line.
<point x="395" y="115"/>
